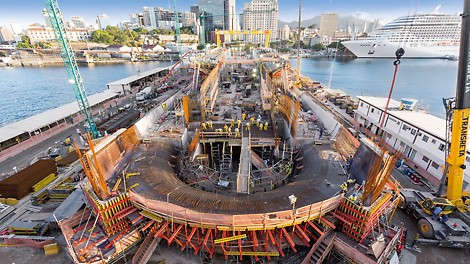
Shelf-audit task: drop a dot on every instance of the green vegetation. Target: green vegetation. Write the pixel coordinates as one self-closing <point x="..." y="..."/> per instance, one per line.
<point x="318" y="47"/>
<point x="44" y="45"/>
<point x="158" y="31"/>
<point x="3" y="53"/>
<point x="312" y="26"/>
<point x="333" y="45"/>
<point x="186" y="30"/>
<point x="25" y="43"/>
<point x="115" y="35"/>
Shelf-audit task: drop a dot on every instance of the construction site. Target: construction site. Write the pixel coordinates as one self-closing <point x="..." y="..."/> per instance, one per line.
<point x="235" y="167"/>
<point x="235" y="163"/>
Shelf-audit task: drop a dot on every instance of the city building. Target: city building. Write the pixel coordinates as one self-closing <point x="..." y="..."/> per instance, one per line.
<point x="157" y="17"/>
<point x="218" y="14"/>
<point x="39" y="33"/>
<point x="47" y="21"/>
<point x="6" y="34"/>
<point x="284" y="33"/>
<point x="418" y="135"/>
<point x="136" y="20"/>
<point x="260" y="14"/>
<point x="328" y="24"/>
<point x="78" y="22"/>
<point x="103" y="21"/>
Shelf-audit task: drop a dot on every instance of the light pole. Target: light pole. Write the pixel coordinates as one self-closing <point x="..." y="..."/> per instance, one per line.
<point x="292" y="200"/>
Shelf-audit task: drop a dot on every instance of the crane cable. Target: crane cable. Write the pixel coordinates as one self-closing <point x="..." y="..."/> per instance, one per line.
<point x="399" y="53"/>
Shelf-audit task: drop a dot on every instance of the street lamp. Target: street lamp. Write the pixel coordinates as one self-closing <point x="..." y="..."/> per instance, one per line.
<point x="292" y="200"/>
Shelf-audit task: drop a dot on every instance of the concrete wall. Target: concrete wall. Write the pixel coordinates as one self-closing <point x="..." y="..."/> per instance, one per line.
<point x="146" y="122"/>
<point x="331" y="125"/>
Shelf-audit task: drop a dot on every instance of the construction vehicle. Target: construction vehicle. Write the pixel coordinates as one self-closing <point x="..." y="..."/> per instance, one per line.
<point x="443" y="219"/>
<point x="68" y="56"/>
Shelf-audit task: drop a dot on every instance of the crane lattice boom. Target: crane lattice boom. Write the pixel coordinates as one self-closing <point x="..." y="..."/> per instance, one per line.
<point x="68" y="56"/>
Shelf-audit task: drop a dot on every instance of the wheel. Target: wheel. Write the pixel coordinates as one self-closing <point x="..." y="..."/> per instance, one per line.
<point x="425" y="228"/>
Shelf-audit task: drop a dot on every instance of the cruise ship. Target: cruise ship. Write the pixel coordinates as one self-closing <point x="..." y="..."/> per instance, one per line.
<point x="431" y="35"/>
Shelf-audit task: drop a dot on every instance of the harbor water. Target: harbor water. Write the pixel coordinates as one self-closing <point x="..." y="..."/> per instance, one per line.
<point x="426" y="80"/>
<point x="28" y="91"/>
<point x="31" y="90"/>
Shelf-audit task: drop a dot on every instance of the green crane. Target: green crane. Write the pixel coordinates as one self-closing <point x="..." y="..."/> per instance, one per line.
<point x="177" y="29"/>
<point x="68" y="56"/>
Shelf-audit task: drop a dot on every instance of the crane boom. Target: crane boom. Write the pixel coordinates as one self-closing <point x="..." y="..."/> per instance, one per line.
<point x="68" y="56"/>
<point x="455" y="162"/>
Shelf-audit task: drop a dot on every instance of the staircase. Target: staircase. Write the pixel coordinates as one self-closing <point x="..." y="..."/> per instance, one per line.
<point x="226" y="164"/>
<point x="320" y="249"/>
<point x="146" y="249"/>
<point x="215" y="156"/>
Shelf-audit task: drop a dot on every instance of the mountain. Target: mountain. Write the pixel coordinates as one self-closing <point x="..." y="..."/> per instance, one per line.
<point x="343" y="22"/>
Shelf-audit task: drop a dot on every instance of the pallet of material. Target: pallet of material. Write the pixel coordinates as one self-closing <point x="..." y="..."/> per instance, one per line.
<point x="20" y="184"/>
<point x="67" y="160"/>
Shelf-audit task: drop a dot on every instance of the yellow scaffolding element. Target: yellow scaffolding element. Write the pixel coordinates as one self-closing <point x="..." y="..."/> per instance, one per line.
<point x="226" y="239"/>
<point x="266" y="32"/>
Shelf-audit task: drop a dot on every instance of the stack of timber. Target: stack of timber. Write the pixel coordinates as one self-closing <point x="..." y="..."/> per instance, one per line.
<point x="21" y="184"/>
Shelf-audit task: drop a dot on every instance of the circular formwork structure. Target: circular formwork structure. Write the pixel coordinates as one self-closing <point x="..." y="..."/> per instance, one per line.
<point x="259" y="224"/>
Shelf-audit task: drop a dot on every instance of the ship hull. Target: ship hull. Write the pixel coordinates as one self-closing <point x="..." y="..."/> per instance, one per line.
<point x="374" y="49"/>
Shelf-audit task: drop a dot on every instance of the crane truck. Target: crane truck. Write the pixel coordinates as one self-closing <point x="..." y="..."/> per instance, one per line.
<point x="444" y="219"/>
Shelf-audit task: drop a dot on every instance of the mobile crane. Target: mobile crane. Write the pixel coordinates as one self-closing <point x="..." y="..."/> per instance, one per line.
<point x="68" y="56"/>
<point x="449" y="225"/>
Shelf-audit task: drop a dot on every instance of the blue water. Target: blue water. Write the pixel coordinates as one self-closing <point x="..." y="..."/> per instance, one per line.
<point x="28" y="91"/>
<point x="426" y="80"/>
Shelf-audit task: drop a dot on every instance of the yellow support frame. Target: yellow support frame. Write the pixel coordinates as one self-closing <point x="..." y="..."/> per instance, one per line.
<point x="266" y="32"/>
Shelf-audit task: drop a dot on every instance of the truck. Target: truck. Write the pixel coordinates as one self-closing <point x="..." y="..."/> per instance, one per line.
<point x="145" y="94"/>
<point x="444" y="217"/>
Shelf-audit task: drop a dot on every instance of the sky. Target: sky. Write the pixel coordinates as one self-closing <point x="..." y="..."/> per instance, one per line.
<point x="26" y="12"/>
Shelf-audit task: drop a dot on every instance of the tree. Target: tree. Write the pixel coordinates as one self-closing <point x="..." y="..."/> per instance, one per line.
<point x="25" y="43"/>
<point x="333" y="45"/>
<point x="318" y="46"/>
<point x="186" y="30"/>
<point x="102" y="36"/>
<point x="155" y="31"/>
<point x="45" y="45"/>
<point x="141" y="31"/>
<point x="3" y="53"/>
<point x="312" y="26"/>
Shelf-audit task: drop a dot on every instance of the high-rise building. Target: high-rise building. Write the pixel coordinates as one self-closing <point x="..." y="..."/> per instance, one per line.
<point x="78" y="22"/>
<point x="157" y="17"/>
<point x="260" y="14"/>
<point x="136" y="20"/>
<point x="218" y="14"/>
<point x="47" y="21"/>
<point x="284" y="33"/>
<point x="103" y="21"/>
<point x="6" y="34"/>
<point x="328" y="24"/>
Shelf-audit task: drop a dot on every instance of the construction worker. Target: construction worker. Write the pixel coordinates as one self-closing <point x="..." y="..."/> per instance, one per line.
<point x="252" y="121"/>
<point x="210" y="124"/>
<point x="204" y="126"/>
<point x="237" y="132"/>
<point x="232" y="122"/>
<point x="243" y="116"/>
<point x="258" y="121"/>
<point x="344" y="187"/>
<point x="221" y="132"/>
<point x="266" y="126"/>
<point x="225" y="128"/>
<point x="260" y="126"/>
<point x="353" y="197"/>
<point x="229" y="131"/>
<point x="248" y="126"/>
<point x="239" y="122"/>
